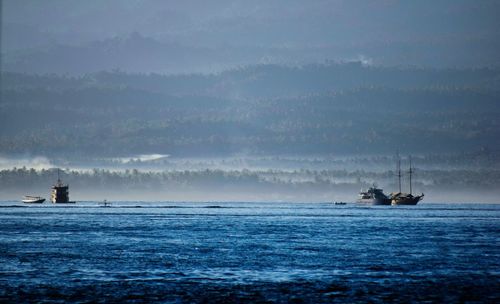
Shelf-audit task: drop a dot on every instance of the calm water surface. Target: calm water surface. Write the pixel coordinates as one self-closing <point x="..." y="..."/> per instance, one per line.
<point x="259" y="252"/>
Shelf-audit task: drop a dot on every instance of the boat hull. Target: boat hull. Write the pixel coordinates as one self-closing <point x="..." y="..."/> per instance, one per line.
<point x="33" y="201"/>
<point x="406" y="201"/>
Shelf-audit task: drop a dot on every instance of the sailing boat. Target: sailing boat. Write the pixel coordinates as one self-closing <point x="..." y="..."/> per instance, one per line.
<point x="400" y="198"/>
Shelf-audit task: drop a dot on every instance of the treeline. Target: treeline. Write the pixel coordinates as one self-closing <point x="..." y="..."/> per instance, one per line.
<point x="258" y="110"/>
<point x="129" y="180"/>
<point x="269" y="81"/>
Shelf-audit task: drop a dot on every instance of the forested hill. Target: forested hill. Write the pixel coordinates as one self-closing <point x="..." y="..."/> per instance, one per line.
<point x="267" y="81"/>
<point x="257" y="110"/>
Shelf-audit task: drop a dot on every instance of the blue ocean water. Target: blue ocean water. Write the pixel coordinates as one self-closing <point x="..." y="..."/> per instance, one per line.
<point x="249" y="252"/>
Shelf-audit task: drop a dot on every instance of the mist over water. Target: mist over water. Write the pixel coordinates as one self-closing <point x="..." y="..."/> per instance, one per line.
<point x="449" y="178"/>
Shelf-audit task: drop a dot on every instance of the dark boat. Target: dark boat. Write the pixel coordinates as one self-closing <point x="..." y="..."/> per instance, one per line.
<point x="104" y="203"/>
<point x="405" y="198"/>
<point x="60" y="192"/>
<point x="400" y="198"/>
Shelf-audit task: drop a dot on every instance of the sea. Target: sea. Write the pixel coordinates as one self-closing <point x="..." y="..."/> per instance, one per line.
<point x="237" y="252"/>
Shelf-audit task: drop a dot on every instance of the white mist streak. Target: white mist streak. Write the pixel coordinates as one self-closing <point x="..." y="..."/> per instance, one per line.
<point x="37" y="162"/>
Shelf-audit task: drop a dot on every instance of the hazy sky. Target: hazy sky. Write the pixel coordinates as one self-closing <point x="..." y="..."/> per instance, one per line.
<point x="446" y="32"/>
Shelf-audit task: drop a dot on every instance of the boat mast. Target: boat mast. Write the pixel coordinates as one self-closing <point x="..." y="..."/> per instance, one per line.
<point x="399" y="173"/>
<point x="410" y="172"/>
